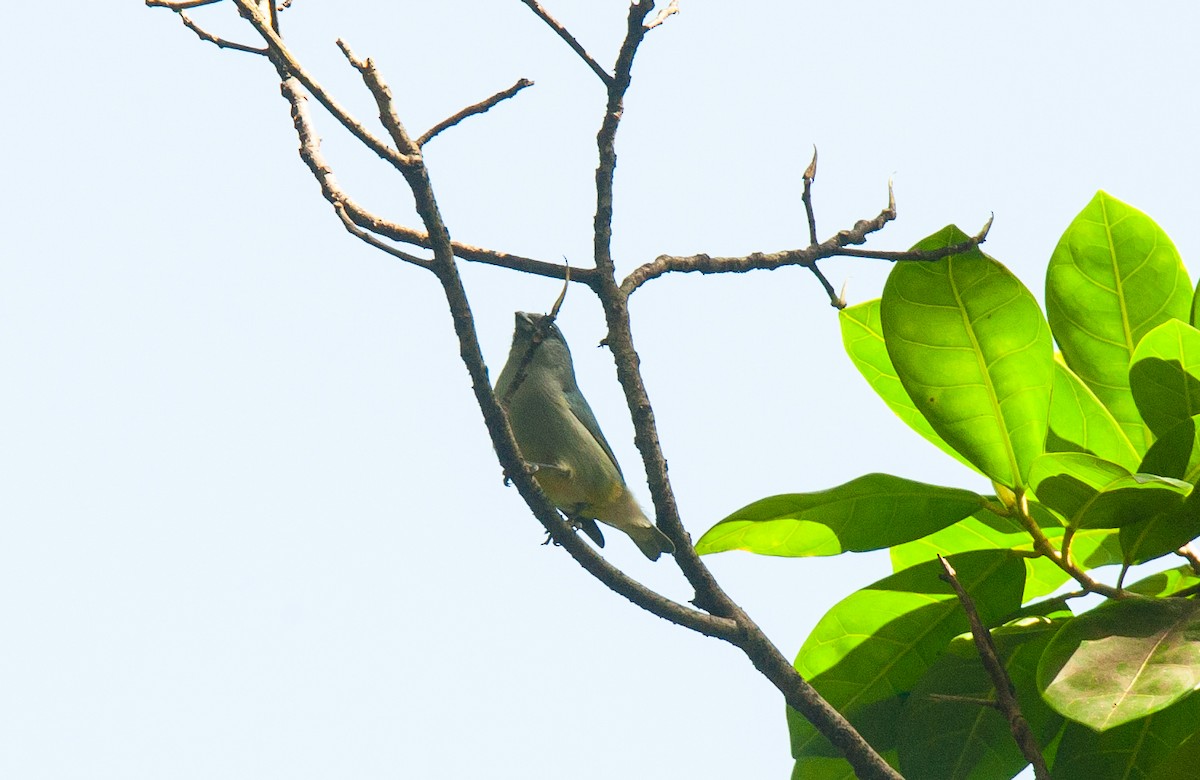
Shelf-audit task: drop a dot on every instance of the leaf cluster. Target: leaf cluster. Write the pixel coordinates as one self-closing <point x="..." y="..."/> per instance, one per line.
<point x="1093" y="453"/>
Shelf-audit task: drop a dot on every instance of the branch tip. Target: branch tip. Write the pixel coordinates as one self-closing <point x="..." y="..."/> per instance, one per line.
<point x="663" y="15"/>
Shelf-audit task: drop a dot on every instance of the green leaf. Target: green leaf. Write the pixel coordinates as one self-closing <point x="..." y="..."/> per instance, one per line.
<point x="1162" y="533"/>
<point x="1166" y="583"/>
<point x="985" y="530"/>
<point x="827" y="768"/>
<point x="943" y="739"/>
<point x="877" y="642"/>
<point x="1122" y="661"/>
<point x="1094" y="493"/>
<point x="1165" y="376"/>
<point x="972" y="349"/>
<point x="867" y="513"/>
<point x="1114" y="277"/>
<point x="1175" y="454"/>
<point x="862" y="335"/>
<point x="1157" y="747"/>
<point x="1080" y="423"/>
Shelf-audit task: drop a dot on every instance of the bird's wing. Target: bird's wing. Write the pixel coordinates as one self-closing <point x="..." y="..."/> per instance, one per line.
<point x="579" y="407"/>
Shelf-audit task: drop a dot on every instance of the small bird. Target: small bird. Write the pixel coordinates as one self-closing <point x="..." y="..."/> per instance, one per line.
<point x="561" y="441"/>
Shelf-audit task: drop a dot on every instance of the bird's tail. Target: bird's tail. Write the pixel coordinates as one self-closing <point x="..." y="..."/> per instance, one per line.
<point x="651" y="541"/>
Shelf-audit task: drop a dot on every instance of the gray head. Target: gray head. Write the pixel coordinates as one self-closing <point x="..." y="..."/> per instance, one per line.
<point x="537" y="341"/>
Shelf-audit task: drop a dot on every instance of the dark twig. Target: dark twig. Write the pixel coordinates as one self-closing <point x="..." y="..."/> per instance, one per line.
<point x="810" y="175"/>
<point x="1006" y="698"/>
<point x="837" y="246"/>
<point x="179" y="5"/>
<point x="478" y="108"/>
<point x="222" y="43"/>
<point x="536" y="7"/>
<point x="363" y="235"/>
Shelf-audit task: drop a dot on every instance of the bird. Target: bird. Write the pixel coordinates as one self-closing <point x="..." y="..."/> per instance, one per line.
<point x="560" y="440"/>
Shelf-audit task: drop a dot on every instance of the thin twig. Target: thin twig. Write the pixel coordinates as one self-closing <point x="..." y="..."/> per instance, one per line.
<point x="477" y="108"/>
<point x="663" y="15"/>
<point x="222" y="43"/>
<point x="810" y="175"/>
<point x="1042" y="544"/>
<point x="179" y="5"/>
<point x="536" y="7"/>
<point x="363" y="235"/>
<point x="837" y="246"/>
<point x="1006" y="698"/>
<point x="294" y="68"/>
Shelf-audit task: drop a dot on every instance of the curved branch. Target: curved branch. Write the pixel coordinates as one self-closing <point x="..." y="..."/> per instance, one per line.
<point x="837" y="246"/>
<point x="472" y="110"/>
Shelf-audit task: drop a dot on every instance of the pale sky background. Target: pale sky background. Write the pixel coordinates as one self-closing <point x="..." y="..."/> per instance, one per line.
<point x="251" y="525"/>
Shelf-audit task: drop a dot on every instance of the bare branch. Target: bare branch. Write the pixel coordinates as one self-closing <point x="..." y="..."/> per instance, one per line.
<point x="837" y="246"/>
<point x="363" y="235"/>
<point x="179" y="5"/>
<point x="663" y="15"/>
<point x="810" y="175"/>
<point x="382" y="93"/>
<point x="222" y="43"/>
<point x="291" y="66"/>
<point x="1006" y="699"/>
<point x="477" y="108"/>
<point x="536" y="7"/>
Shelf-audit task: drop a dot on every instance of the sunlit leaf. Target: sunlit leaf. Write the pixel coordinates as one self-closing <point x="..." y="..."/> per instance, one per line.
<point x="973" y="350"/>
<point x="1114" y="277"/>
<point x="862" y="335"/>
<point x="1080" y="423"/>
<point x="1123" y="660"/>
<point x="1165" y="376"/>
<point x="868" y="513"/>
<point x="878" y="641"/>
<point x="1094" y="493"/>
<point x="985" y="531"/>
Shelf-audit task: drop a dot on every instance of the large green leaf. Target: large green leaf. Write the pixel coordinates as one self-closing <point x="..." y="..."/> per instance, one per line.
<point x="1094" y="493"/>
<point x="1114" y="277"/>
<point x="862" y="335"/>
<point x="1123" y="660"/>
<point x="1079" y="422"/>
<point x="1161" y="746"/>
<point x="1174" y="454"/>
<point x="985" y="531"/>
<point x="1164" y="376"/>
<point x="867" y="513"/>
<point x="973" y="350"/>
<point x="877" y="642"/>
<point x="943" y="737"/>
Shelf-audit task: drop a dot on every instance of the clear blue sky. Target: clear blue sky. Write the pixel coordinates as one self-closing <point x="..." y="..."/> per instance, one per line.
<point x="250" y="523"/>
